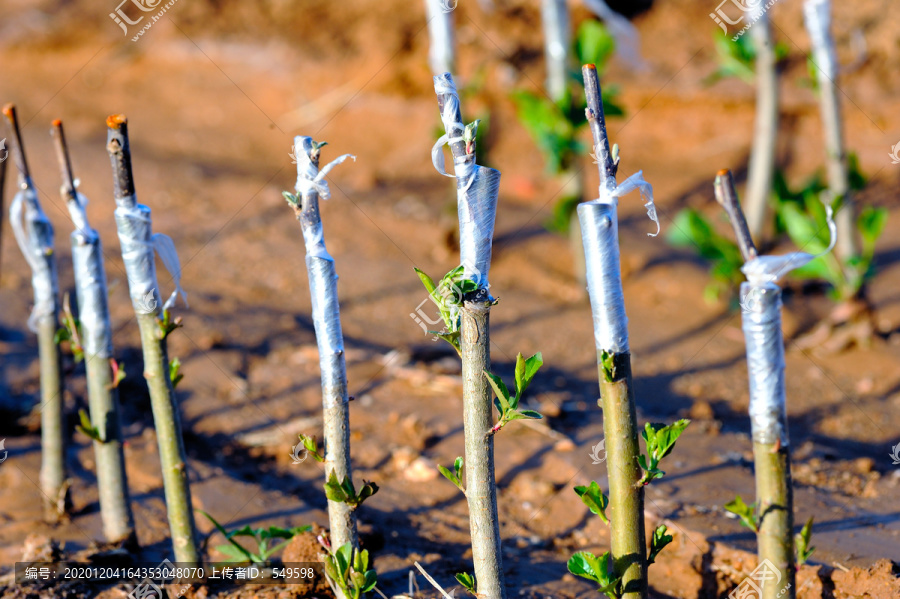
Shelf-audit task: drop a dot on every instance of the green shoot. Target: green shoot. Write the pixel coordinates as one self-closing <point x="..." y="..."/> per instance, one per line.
<point x="801" y="214"/>
<point x="587" y="565"/>
<point x="747" y="513"/>
<point x="468" y="581"/>
<point x="86" y="428"/>
<point x="348" y="569"/>
<point x="448" y="295"/>
<point x="692" y="229"/>
<point x="345" y="492"/>
<point x="508" y="405"/>
<point x="312" y="446"/>
<point x="70" y="331"/>
<point x="167" y="324"/>
<point x="453" y="476"/>
<point x="594" y="498"/>
<point x="660" y="440"/>
<point x="608" y="365"/>
<point x="174" y="372"/>
<point x="737" y="59"/>
<point x="261" y="536"/>
<point x="802" y="540"/>
<point x="118" y="373"/>
<point x="292" y="200"/>
<point x="658" y="542"/>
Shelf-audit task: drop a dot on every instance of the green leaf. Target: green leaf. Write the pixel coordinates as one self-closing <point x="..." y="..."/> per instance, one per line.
<point x="747" y="513"/>
<point x="668" y="435"/>
<point x="532" y="365"/>
<point x="594" y="44"/>
<point x="467" y="580"/>
<point x="584" y="564"/>
<point x="368" y="489"/>
<point x="333" y="489"/>
<point x="228" y="536"/>
<point x="174" y="375"/>
<point x="871" y="223"/>
<point x="658" y="542"/>
<point x="234" y="554"/>
<point x="427" y="281"/>
<point x="500" y="389"/>
<point x="344" y="556"/>
<point x="291" y="198"/>
<point x="371" y="579"/>
<point x="531" y="414"/>
<point x="608" y="365"/>
<point x="595" y="499"/>
<point x="802" y="542"/>
<point x="87" y="428"/>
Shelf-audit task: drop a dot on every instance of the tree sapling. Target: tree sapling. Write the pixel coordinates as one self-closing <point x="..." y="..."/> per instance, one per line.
<point x="771" y="516"/>
<point x="35" y="239"/>
<point x="343" y="498"/>
<point x="134" y="224"/>
<point x="624" y="573"/>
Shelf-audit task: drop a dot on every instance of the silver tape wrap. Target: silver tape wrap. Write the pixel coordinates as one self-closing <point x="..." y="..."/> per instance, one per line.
<point x="329" y="337"/>
<point x="135" y="228"/>
<point x="817" y="14"/>
<point x="600" y="232"/>
<point x="477" y="209"/>
<point x="557" y="41"/>
<point x="34" y="234"/>
<point x="761" y="321"/>
<point x="91" y="290"/>
<point x="440" y="29"/>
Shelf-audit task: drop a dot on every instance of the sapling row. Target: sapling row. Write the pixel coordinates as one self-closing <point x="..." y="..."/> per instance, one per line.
<point x="771" y="517"/>
<point x="35" y="239"/>
<point x="93" y="333"/>
<point x="139" y="244"/>
<point x="623" y="571"/>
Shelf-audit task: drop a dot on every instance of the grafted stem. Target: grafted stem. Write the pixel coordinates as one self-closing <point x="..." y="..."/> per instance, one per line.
<point x="135" y="232"/>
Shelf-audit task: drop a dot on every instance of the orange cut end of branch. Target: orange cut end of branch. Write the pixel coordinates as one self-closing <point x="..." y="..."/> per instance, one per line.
<point x="115" y="121"/>
<point x="9" y="110"/>
<point x="56" y="123"/>
<point x="590" y="66"/>
<point x="723" y="173"/>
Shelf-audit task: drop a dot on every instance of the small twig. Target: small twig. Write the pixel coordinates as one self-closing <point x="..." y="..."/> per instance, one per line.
<point x="377" y="590"/>
<point x="12" y="121"/>
<point x="432" y="581"/>
<point x="597" y="122"/>
<point x="62" y="155"/>
<point x="120" y="154"/>
<point x="726" y="196"/>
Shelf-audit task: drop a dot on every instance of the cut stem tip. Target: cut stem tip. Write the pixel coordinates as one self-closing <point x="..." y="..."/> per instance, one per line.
<point x="590" y="65"/>
<point x="115" y="121"/>
<point x="9" y="111"/>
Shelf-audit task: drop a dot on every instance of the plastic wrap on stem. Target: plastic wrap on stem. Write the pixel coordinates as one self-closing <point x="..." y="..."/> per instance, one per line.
<point x="817" y="15"/>
<point x="35" y="239"/>
<point x="139" y="243"/>
<point x="761" y="321"/>
<point x="441" y="53"/>
<point x="91" y="290"/>
<point x="477" y="209"/>
<point x="329" y="337"/>
<point x="135" y="228"/>
<point x="600" y="231"/>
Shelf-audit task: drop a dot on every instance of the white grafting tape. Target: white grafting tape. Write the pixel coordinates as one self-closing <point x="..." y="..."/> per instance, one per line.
<point x="761" y="321"/>
<point x="34" y="235"/>
<point x="600" y="232"/>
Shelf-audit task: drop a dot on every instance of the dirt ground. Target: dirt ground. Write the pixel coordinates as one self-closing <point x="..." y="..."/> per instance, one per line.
<point x="215" y="92"/>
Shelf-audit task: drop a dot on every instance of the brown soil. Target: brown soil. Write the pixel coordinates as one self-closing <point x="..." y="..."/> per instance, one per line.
<point x="214" y="93"/>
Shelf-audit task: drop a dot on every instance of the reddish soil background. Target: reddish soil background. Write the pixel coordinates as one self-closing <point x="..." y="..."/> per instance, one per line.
<point x="215" y="92"/>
